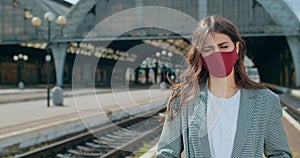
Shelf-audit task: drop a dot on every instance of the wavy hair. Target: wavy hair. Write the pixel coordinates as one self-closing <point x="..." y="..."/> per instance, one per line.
<point x="195" y="77"/>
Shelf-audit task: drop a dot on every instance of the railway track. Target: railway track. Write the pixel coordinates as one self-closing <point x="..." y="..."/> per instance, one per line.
<point x="116" y="140"/>
<point x="290" y="103"/>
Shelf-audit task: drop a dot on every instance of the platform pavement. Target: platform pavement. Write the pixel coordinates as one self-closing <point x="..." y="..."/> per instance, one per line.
<point x="17" y="95"/>
<point x="34" y="120"/>
<point x="292" y="129"/>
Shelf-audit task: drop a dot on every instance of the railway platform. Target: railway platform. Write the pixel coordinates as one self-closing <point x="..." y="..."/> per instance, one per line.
<point x="26" y="122"/>
<point x="292" y="128"/>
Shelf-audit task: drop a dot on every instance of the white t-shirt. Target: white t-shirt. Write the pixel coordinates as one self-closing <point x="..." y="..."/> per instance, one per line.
<point x="222" y="114"/>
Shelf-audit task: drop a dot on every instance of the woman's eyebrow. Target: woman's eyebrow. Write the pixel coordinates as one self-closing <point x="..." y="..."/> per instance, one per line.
<point x="222" y="43"/>
<point x="210" y="46"/>
<point x="207" y="47"/>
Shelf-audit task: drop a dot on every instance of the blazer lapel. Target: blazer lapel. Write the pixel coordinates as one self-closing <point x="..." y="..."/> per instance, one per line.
<point x="197" y="114"/>
<point x="198" y="124"/>
<point x="246" y="109"/>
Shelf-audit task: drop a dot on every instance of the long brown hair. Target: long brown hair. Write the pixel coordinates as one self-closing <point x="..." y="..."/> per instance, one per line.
<point x="194" y="76"/>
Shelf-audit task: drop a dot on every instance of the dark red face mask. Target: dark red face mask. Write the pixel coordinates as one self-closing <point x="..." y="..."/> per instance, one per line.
<point x="220" y="64"/>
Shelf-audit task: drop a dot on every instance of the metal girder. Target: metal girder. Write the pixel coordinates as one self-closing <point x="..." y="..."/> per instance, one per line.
<point x="294" y="44"/>
<point x="282" y="15"/>
<point x="202" y="9"/>
<point x="37" y="8"/>
<point x="77" y="14"/>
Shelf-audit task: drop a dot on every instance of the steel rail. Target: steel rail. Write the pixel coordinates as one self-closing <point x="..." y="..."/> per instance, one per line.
<point x="286" y="99"/>
<point x="74" y="141"/>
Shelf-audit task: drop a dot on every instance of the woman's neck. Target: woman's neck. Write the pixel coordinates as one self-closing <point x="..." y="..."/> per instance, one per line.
<point x="222" y="87"/>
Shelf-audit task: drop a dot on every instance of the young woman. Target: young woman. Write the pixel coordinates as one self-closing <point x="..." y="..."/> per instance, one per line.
<point x="217" y="111"/>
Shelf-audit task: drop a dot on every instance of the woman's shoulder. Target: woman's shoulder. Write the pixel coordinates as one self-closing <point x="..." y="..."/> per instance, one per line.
<point x="265" y="99"/>
<point x="262" y="92"/>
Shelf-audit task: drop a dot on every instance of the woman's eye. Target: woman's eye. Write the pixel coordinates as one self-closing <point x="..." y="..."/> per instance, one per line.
<point x="224" y="47"/>
<point x="206" y="49"/>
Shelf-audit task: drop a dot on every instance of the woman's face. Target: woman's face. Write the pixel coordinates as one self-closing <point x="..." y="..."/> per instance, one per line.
<point x="217" y="42"/>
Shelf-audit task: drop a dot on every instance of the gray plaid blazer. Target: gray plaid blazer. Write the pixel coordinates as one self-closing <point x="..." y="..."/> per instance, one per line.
<point x="259" y="128"/>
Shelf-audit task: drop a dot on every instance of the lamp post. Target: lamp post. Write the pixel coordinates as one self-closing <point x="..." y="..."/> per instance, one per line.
<point x="20" y="58"/>
<point x="157" y="55"/>
<point x="165" y="56"/>
<point x="37" y="22"/>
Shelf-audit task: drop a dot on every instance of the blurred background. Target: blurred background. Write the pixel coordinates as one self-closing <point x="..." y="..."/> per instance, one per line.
<point x="69" y="67"/>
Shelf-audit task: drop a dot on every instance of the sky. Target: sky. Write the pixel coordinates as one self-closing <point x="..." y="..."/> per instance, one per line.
<point x="72" y="1"/>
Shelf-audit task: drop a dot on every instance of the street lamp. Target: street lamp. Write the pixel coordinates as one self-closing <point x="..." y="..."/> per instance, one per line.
<point x="165" y="56"/>
<point x="37" y="22"/>
<point x="157" y="55"/>
<point x="20" y="58"/>
<point x="170" y="54"/>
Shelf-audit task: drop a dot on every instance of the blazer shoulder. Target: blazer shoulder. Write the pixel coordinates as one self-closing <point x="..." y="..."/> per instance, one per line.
<point x="267" y="98"/>
<point x="264" y="92"/>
